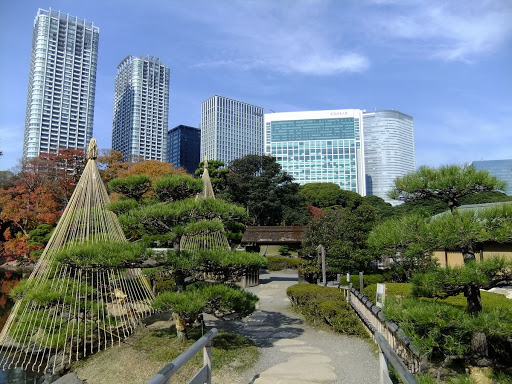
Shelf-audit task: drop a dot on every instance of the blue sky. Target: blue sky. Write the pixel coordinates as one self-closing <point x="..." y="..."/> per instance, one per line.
<point x="446" y="63"/>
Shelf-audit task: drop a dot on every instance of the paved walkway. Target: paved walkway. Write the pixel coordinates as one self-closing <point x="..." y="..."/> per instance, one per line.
<point x="293" y="352"/>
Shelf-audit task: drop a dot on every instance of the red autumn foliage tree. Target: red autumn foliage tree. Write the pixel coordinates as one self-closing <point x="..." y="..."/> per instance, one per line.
<point x="37" y="195"/>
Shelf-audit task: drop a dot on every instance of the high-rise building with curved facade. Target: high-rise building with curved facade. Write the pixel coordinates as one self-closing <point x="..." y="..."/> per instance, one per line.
<point x="388" y="150"/>
<point x="141" y="109"/>
<point x="62" y="84"/>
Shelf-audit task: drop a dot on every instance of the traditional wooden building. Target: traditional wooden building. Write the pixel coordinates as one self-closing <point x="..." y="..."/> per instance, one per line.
<point x="268" y="240"/>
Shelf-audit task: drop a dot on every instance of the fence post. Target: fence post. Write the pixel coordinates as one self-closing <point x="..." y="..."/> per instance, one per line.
<point x="207" y="360"/>
<point x="349" y="299"/>
<point x="384" y="369"/>
<point x="361" y="285"/>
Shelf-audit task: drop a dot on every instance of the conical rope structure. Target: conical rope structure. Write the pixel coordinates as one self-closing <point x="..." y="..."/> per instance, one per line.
<point x="209" y="234"/>
<point x="66" y="311"/>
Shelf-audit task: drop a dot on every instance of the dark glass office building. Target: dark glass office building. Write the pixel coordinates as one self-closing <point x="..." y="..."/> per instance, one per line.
<point x="183" y="146"/>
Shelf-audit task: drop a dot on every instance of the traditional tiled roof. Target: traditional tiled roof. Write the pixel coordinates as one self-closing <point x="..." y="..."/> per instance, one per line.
<point x="274" y="235"/>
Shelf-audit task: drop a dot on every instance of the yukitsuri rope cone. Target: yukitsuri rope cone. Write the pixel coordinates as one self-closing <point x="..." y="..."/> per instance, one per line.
<point x="67" y="311"/>
<point x="209" y="234"/>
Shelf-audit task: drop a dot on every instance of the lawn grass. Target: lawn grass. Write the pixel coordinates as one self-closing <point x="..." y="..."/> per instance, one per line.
<point x="142" y="355"/>
<point x="490" y="300"/>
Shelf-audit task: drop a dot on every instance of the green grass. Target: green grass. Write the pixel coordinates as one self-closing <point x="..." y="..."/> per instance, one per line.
<point x="236" y="351"/>
<point x="490" y="300"/>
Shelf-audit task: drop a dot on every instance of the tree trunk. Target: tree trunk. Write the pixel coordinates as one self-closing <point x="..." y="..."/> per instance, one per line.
<point x="474" y="301"/>
<point x="179" y="279"/>
<point x="180" y="326"/>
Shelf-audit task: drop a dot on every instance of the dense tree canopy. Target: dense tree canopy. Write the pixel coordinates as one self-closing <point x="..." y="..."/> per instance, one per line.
<point x="344" y="233"/>
<point x="265" y="190"/>
<point x="447" y="184"/>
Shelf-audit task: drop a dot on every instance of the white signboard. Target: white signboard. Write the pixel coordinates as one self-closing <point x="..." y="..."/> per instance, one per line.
<point x="381" y="295"/>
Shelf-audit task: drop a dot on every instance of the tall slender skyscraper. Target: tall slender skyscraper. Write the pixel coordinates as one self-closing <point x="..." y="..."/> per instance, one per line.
<point x="141" y="108"/>
<point x="230" y="129"/>
<point x="62" y="82"/>
<point x="388" y="150"/>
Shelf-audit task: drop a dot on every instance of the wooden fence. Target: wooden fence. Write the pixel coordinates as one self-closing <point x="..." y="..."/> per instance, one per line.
<point x="375" y="321"/>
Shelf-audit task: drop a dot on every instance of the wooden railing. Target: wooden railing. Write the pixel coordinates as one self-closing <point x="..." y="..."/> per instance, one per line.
<point x="204" y="375"/>
<point x="386" y="356"/>
<point x="375" y="322"/>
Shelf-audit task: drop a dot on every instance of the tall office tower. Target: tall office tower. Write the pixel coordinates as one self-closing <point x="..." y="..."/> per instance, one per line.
<point x="183" y="147"/>
<point x="141" y="109"/>
<point x="502" y="169"/>
<point x="62" y="81"/>
<point x="388" y="150"/>
<point x="230" y="129"/>
<point x="319" y="146"/>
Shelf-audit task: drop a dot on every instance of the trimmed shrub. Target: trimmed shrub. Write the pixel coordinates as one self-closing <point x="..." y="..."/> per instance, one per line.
<point x="325" y="306"/>
<point x="277" y="263"/>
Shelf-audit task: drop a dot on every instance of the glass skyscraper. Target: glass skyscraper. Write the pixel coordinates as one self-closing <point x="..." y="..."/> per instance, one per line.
<point x="319" y="146"/>
<point x="388" y="150"/>
<point x="141" y="109"/>
<point x="62" y="81"/>
<point x="183" y="147"/>
<point x="502" y="169"/>
<point x="230" y="129"/>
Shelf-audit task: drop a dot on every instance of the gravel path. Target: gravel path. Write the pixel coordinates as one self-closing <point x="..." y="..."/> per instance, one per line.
<point x="293" y="352"/>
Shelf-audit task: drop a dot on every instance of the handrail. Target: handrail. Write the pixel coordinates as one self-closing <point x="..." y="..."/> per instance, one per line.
<point x="390" y="356"/>
<point x="164" y="375"/>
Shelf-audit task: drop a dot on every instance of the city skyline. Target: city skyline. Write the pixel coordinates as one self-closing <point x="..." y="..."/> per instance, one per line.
<point x="444" y="65"/>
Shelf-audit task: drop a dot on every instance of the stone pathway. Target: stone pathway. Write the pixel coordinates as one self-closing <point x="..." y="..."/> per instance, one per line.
<point x="293" y="352"/>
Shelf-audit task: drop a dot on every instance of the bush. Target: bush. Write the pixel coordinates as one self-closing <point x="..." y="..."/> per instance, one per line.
<point x="325" y="306"/>
<point x="441" y="330"/>
<point x="277" y="263"/>
<point x="367" y="280"/>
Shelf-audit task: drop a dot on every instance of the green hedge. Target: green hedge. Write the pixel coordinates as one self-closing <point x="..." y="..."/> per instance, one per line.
<point x="367" y="280"/>
<point x="325" y="306"/>
<point x="277" y="263"/>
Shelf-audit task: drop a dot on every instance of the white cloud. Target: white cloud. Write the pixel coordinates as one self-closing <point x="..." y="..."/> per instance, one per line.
<point x="273" y="36"/>
<point x="446" y="30"/>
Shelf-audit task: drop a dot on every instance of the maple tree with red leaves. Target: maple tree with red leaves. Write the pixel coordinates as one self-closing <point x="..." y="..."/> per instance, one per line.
<point x="37" y="195"/>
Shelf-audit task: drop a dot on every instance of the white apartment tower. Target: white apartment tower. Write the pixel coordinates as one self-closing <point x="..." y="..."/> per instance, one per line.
<point x="389" y="150"/>
<point x="141" y="109"/>
<point x="62" y="81"/>
<point x="230" y="129"/>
